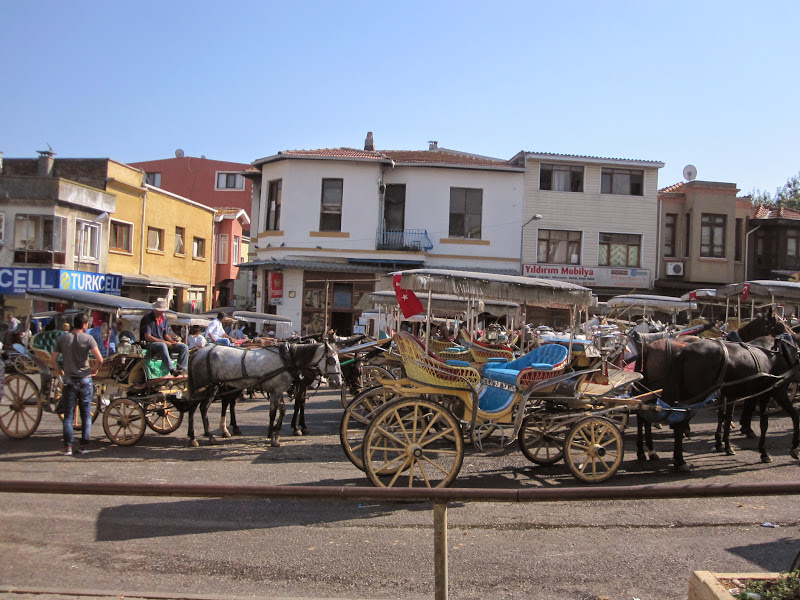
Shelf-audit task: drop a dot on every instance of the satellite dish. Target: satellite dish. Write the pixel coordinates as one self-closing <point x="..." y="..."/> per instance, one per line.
<point x="690" y="172"/>
<point x="179" y="154"/>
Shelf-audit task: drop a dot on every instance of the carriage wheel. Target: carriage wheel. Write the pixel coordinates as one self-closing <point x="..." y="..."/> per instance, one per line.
<point x="407" y="445"/>
<point x="619" y="418"/>
<point x="25" y="365"/>
<point x="593" y="449"/>
<point x="357" y="417"/>
<point x="367" y="379"/>
<point x="20" y="411"/>
<point x="124" y="422"/>
<point x="162" y="416"/>
<point x="541" y="438"/>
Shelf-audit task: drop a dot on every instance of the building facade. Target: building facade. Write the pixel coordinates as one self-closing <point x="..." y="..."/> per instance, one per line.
<point x="772" y="246"/>
<point x="590" y="221"/>
<point x="328" y="225"/>
<point x="231" y="249"/>
<point x="703" y="236"/>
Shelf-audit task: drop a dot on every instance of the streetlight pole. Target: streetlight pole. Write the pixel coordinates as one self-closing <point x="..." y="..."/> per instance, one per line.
<point x="536" y="217"/>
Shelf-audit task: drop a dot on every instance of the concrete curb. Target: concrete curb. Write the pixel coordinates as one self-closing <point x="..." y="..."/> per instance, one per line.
<point x="12" y="592"/>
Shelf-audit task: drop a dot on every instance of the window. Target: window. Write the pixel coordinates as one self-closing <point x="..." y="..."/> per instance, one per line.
<point x="121" y="236"/>
<point x="466" y="207"/>
<point x="342" y="296"/>
<point x="712" y="236"/>
<point x="199" y="248"/>
<point x="624" y="182"/>
<point x="561" y="178"/>
<point x="670" y="230"/>
<point x="792" y="248"/>
<point x="180" y="240"/>
<point x="87" y="240"/>
<point x="222" y="249"/>
<point x="619" y="250"/>
<point x="559" y="247"/>
<point x="273" y="220"/>
<point x="153" y="179"/>
<point x="155" y="239"/>
<point x="236" y="246"/>
<point x="2" y="228"/>
<point x="40" y="239"/>
<point x="737" y="251"/>
<point x="230" y="181"/>
<point x="330" y="218"/>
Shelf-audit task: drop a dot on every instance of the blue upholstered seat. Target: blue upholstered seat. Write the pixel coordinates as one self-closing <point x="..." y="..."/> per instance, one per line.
<point x="543" y="358"/>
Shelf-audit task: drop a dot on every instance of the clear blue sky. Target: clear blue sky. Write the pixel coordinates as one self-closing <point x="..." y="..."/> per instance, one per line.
<point x="713" y="84"/>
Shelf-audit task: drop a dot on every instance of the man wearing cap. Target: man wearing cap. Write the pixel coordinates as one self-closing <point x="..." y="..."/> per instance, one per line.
<point x="154" y="332"/>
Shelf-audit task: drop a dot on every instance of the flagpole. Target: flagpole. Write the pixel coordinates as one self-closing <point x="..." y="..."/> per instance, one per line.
<point x="428" y="322"/>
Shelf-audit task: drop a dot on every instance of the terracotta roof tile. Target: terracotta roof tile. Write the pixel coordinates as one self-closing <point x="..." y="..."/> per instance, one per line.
<point x="335" y="153"/>
<point x="446" y="158"/>
<point x="676" y="188"/>
<point x="774" y="212"/>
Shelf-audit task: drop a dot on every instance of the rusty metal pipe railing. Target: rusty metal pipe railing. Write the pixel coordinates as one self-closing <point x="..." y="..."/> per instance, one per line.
<point x="439" y="497"/>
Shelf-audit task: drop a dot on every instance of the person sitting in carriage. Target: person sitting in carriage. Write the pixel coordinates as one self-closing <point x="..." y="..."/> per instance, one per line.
<point x="216" y="333"/>
<point x="154" y="334"/>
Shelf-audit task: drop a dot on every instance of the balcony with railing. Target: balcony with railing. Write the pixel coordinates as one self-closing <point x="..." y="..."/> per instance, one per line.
<point x="407" y="240"/>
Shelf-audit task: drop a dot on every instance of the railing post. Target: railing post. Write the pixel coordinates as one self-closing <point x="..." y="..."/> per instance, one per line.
<point x="440" y="548"/>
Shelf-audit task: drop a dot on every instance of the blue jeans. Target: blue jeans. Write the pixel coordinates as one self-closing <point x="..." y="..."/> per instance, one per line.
<point x="223" y="342"/>
<point x="160" y="350"/>
<point x="78" y="392"/>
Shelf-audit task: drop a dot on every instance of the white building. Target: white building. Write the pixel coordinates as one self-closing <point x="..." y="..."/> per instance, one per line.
<point x="599" y="220"/>
<point x="328" y="224"/>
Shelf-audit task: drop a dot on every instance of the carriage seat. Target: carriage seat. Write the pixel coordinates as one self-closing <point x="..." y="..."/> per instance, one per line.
<point x="546" y="359"/>
<point x="428" y="369"/>
<point x="43" y="343"/>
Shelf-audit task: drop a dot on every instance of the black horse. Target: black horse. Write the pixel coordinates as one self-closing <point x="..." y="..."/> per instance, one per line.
<point x="737" y="370"/>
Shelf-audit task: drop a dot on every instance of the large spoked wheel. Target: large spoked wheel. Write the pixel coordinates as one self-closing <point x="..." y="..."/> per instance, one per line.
<point x="20" y="411"/>
<point x="541" y="438"/>
<point x="413" y="442"/>
<point x="357" y="417"/>
<point x="162" y="416"/>
<point x="593" y="449"/>
<point x="124" y="422"/>
<point x="619" y="418"/>
<point x="368" y="378"/>
<point x="25" y="365"/>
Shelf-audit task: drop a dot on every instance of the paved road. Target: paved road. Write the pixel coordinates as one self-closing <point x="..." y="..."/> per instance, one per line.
<point x="305" y="549"/>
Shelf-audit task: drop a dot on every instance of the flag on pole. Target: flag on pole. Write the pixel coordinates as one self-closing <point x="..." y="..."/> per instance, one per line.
<point x="745" y="291"/>
<point x="408" y="301"/>
<point x="693" y="296"/>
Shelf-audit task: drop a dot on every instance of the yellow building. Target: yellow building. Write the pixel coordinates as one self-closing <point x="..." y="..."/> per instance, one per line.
<point x="160" y="243"/>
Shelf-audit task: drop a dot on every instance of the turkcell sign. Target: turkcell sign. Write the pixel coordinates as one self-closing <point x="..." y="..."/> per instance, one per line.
<point x="16" y="281"/>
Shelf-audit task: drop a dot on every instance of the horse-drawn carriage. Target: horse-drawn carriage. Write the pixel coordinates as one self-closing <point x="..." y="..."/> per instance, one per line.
<point x="131" y="389"/>
<point x="412" y="431"/>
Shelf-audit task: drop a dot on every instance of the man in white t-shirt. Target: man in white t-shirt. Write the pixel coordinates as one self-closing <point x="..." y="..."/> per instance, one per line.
<point x="216" y="333"/>
<point x="196" y="339"/>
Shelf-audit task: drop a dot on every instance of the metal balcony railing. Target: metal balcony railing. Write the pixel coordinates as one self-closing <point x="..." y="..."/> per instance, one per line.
<point x="410" y="240"/>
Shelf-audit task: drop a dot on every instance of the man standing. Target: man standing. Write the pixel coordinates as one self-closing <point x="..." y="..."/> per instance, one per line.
<point x="75" y="347"/>
<point x="154" y="332"/>
<point x="215" y="332"/>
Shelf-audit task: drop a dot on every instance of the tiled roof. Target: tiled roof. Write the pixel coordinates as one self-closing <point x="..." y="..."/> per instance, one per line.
<point x="334" y="153"/>
<point x="774" y="212"/>
<point x="439" y="157"/>
<point x="675" y="188"/>
<point x="655" y="163"/>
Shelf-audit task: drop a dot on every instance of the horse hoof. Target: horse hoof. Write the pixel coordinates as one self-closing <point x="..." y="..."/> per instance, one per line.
<point x="298" y="432"/>
<point x="194" y="443"/>
<point x="730" y="452"/>
<point x="212" y="441"/>
<point x="304" y="430"/>
<point x="684" y="468"/>
<point x="795" y="453"/>
<point x="275" y="444"/>
<point x="766" y="458"/>
<point x="717" y="447"/>
<point x="226" y="433"/>
<point x="653" y="456"/>
<point x="237" y="431"/>
<point x="641" y="456"/>
<point x="749" y="433"/>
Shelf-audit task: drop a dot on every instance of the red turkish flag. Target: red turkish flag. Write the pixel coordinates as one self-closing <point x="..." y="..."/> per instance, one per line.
<point x="408" y="301"/>
<point x="745" y="291"/>
<point x="692" y="295"/>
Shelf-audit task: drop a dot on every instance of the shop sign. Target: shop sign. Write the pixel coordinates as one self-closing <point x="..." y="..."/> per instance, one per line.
<point x="16" y="281"/>
<point x="592" y="276"/>
<point x="275" y="288"/>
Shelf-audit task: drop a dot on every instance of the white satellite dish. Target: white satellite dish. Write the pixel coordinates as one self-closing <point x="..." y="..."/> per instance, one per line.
<point x="178" y="153"/>
<point x="689" y="172"/>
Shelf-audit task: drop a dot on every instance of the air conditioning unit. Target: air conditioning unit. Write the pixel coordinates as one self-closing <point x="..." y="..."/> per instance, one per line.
<point x="674" y="268"/>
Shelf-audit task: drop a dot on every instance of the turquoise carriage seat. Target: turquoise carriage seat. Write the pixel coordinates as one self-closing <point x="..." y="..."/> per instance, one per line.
<point x="153" y="367"/>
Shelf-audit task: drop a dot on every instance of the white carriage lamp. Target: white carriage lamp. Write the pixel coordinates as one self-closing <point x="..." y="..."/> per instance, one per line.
<point x="493" y="333"/>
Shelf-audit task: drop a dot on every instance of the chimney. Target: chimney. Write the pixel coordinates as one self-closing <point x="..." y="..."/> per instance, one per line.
<point x="369" y="143"/>
<point x="46" y="162"/>
<point x="433" y="145"/>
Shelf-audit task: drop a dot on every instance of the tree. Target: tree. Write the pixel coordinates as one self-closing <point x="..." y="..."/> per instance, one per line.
<point x="788" y="195"/>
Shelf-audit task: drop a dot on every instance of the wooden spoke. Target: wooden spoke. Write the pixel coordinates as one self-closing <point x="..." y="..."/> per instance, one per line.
<point x="593" y="449"/>
<point x="20" y="411"/>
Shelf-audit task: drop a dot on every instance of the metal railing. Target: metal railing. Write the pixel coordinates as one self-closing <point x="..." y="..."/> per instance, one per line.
<point x="410" y="240"/>
<point x="439" y="497"/>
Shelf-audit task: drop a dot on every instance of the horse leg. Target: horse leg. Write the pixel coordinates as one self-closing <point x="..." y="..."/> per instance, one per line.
<point x="746" y="420"/>
<point x="722" y="438"/>
<point x="225" y="401"/>
<point x="234" y="427"/>
<point x="204" y="405"/>
<point x="277" y="407"/>
<point x="764" y="426"/>
<point x="678" y="462"/>
<point x="299" y="414"/>
<point x="644" y="436"/>
<point x="192" y="441"/>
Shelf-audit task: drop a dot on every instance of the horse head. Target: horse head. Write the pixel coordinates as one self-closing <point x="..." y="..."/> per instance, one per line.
<point x="332" y="370"/>
<point x="763" y="324"/>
